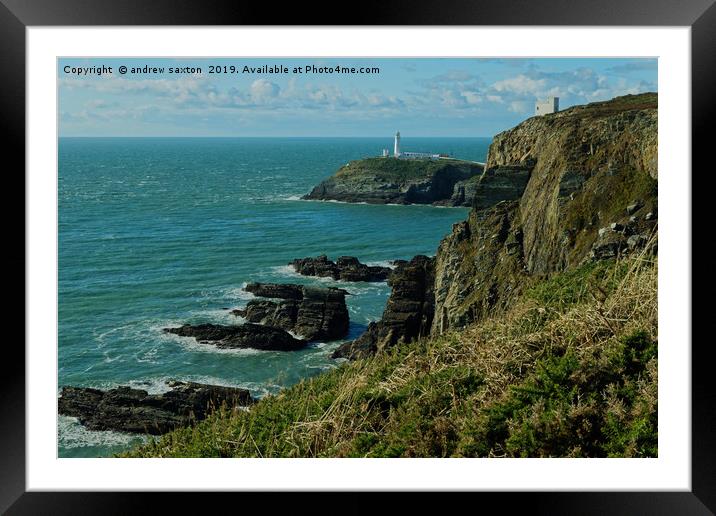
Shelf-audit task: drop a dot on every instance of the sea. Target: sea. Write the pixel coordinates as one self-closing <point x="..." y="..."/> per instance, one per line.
<point x="159" y="232"/>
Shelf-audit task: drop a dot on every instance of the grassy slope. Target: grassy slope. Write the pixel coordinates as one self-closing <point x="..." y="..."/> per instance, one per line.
<point x="399" y="170"/>
<point x="570" y="370"/>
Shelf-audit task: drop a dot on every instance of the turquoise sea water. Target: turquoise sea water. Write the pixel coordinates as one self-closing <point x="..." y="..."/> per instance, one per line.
<point x="157" y="232"/>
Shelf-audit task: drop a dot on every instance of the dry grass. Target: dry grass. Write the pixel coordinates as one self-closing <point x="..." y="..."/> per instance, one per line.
<point x="541" y="379"/>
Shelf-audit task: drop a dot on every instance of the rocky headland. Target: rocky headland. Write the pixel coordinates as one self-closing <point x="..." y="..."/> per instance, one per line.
<point x="447" y="182"/>
<point x="345" y="268"/>
<point x="125" y="409"/>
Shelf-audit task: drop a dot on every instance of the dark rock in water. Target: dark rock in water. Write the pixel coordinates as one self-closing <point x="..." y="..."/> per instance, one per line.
<point x="315" y="313"/>
<point x="254" y="336"/>
<point x="346" y="268"/>
<point x="408" y="314"/>
<point x="280" y="315"/>
<point x="275" y="290"/>
<point x="134" y="410"/>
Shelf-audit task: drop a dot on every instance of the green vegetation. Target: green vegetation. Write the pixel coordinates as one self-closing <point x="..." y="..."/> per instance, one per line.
<point x="403" y="170"/>
<point x="579" y="285"/>
<point x="569" y="370"/>
<point x="619" y="104"/>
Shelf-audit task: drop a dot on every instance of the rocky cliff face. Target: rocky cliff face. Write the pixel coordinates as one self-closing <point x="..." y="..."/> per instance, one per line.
<point x="576" y="185"/>
<point x="399" y="181"/>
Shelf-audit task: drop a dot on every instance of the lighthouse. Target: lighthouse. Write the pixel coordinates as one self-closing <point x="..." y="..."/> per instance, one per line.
<point x="396" y="147"/>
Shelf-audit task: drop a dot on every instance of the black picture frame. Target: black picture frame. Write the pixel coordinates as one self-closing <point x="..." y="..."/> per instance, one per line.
<point x="17" y="15"/>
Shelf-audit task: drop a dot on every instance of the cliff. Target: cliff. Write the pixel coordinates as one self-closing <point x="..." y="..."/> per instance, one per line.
<point x="398" y="181"/>
<point x="590" y="193"/>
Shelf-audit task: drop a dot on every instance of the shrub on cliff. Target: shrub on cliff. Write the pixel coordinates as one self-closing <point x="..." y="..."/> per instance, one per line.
<point x="570" y="370"/>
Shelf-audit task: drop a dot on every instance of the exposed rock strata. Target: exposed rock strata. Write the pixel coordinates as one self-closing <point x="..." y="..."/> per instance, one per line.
<point x="408" y="313"/>
<point x="254" y="336"/>
<point x="314" y="313"/>
<point x="346" y="268"/>
<point x="503" y="183"/>
<point x="398" y="181"/>
<point x="134" y="410"/>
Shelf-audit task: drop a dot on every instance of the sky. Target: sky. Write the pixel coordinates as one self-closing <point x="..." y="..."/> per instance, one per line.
<point x="308" y="97"/>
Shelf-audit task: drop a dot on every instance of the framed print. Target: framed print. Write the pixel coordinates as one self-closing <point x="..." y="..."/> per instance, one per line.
<point x="414" y="255"/>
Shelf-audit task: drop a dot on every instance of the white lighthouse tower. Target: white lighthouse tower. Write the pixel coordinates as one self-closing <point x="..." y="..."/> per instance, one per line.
<point x="396" y="147"/>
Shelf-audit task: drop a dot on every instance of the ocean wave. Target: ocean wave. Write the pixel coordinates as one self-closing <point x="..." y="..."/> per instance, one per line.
<point x="219" y="316"/>
<point x="71" y="434"/>
<point x="287" y="271"/>
<point x="382" y="263"/>
<point x="238" y="293"/>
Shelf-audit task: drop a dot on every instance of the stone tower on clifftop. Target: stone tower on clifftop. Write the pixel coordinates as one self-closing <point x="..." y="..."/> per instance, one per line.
<point x="547" y="106"/>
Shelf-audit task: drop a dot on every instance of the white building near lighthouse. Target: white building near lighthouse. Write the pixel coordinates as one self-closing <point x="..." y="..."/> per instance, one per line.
<point x="398" y="153"/>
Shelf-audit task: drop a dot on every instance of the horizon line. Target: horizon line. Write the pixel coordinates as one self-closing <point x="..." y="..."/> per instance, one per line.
<point x="277" y="136"/>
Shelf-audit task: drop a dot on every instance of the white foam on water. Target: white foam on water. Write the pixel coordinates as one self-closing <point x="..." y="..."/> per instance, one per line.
<point x="71" y="434"/>
<point x="382" y="263"/>
<point x="109" y="359"/>
<point x="156" y="385"/>
<point x="294" y="335"/>
<point x="241" y="293"/>
<point x="219" y="315"/>
<point x="286" y="270"/>
<point x="147" y="356"/>
<point x="104" y="337"/>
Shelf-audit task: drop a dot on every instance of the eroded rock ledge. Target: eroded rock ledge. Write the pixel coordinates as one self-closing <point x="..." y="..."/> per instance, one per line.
<point x="254" y="336"/>
<point x="345" y="268"/>
<point x="125" y="409"/>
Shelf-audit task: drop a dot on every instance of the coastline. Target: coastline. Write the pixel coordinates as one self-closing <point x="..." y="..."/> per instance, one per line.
<point x="529" y="230"/>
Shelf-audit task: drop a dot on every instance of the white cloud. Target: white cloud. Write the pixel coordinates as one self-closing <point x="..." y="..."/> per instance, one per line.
<point x="520" y="85"/>
<point x="262" y="90"/>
